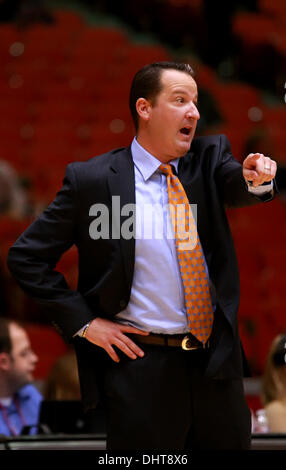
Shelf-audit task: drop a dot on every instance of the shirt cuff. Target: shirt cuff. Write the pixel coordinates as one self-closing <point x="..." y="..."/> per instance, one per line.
<point x="79" y="332"/>
<point x="260" y="190"/>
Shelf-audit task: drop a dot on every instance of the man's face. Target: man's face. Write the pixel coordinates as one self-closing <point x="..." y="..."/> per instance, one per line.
<point x="22" y="358"/>
<point x="172" y="119"/>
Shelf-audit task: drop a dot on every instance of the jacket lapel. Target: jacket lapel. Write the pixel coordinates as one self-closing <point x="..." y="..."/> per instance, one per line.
<point x="121" y="182"/>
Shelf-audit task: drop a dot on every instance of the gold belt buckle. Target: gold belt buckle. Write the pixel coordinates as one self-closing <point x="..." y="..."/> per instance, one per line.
<point x="186" y="344"/>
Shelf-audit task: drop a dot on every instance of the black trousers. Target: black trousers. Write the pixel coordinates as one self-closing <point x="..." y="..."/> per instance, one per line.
<point x="163" y="401"/>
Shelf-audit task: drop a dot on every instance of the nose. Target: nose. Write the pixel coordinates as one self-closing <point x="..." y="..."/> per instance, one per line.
<point x="193" y="112"/>
<point x="34" y="357"/>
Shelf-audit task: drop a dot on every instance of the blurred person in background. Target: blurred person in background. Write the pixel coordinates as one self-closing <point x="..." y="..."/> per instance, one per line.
<point x="274" y="386"/>
<point x="61" y="408"/>
<point x="13" y="198"/>
<point x="62" y="382"/>
<point x="19" y="399"/>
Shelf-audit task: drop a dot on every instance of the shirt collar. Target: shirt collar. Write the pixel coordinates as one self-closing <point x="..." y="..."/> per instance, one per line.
<point x="21" y="394"/>
<point x="6" y="401"/>
<point x="24" y="392"/>
<point x="145" y="162"/>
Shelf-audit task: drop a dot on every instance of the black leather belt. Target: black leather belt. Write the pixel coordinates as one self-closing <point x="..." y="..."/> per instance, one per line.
<point x="186" y="341"/>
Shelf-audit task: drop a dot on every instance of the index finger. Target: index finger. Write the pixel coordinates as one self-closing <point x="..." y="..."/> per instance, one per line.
<point x="132" y="329"/>
<point x="253" y="156"/>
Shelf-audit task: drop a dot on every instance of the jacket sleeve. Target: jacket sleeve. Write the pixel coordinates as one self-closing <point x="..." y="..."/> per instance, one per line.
<point x="230" y="180"/>
<point x="32" y="261"/>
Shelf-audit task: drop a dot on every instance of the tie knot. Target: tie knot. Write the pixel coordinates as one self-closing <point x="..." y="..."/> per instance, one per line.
<point x="166" y="168"/>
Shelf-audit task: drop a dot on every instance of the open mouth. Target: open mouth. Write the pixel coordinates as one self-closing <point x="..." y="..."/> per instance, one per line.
<point x="185" y="130"/>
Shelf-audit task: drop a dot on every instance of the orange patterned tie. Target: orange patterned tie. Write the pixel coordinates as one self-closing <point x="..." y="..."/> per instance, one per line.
<point x="191" y="259"/>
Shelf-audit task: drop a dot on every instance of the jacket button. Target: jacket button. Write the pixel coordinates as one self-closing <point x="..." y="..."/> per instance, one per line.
<point x="122" y="303"/>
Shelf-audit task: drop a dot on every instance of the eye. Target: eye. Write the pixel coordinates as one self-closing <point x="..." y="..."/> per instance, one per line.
<point x="180" y="99"/>
<point x="26" y="353"/>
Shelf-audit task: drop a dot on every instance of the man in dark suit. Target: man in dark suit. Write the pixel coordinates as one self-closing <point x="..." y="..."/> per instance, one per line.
<point x="162" y="387"/>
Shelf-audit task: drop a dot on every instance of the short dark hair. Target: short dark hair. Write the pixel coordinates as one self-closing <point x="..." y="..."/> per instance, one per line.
<point x="5" y="339"/>
<point x="147" y="83"/>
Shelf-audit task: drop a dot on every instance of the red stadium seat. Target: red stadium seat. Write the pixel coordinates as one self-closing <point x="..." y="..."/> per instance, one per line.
<point x="89" y="46"/>
<point x="235" y="100"/>
<point x="140" y="55"/>
<point x="276" y="9"/>
<point x="68" y="20"/>
<point x="254" y="29"/>
<point x="11" y="43"/>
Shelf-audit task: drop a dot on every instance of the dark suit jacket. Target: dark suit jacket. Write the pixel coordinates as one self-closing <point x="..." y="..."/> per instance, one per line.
<point x="212" y="179"/>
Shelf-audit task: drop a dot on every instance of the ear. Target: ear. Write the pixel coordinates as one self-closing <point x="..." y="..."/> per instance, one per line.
<point x="143" y="108"/>
<point x="4" y="361"/>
